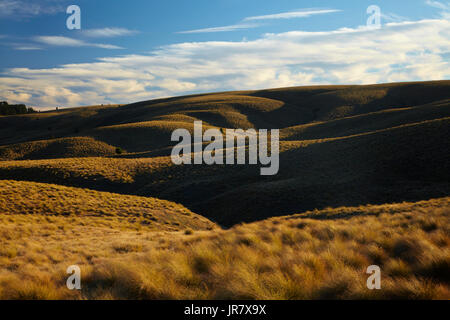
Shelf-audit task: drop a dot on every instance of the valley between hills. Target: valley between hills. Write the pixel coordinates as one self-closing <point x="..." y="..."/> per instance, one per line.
<point x="364" y="179"/>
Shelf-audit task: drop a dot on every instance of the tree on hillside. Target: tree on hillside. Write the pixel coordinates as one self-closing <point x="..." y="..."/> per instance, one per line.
<point x="11" y="109"/>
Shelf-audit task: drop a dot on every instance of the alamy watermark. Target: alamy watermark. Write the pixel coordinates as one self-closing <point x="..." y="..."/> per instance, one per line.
<point x="214" y="152"/>
<point x="374" y="280"/>
<point x="74" y="281"/>
<point x="374" y="20"/>
<point x="73" y="22"/>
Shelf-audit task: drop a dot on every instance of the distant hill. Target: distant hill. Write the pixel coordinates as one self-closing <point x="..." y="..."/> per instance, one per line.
<point x="340" y="146"/>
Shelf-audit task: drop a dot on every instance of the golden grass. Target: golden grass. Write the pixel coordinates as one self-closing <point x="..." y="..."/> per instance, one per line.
<point x="405" y="162"/>
<point x="56" y="148"/>
<point x="88" y="207"/>
<point x="93" y="168"/>
<point x="322" y="256"/>
<point x="341" y="145"/>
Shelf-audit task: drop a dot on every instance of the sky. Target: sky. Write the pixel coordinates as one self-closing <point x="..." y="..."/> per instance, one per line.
<point x="128" y="51"/>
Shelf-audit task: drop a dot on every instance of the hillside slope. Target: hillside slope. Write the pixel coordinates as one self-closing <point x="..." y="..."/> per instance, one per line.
<point x="56" y="148"/>
<point x="275" y="108"/>
<point x="311" y="255"/>
<point x="340" y="146"/>
<point x="91" y="207"/>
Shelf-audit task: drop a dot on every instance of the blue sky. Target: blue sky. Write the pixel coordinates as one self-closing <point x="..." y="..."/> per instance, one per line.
<point x="136" y="50"/>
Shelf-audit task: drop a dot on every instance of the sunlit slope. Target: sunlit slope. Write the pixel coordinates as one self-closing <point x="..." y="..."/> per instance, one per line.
<point x="145" y="135"/>
<point x="276" y="108"/>
<point x="340" y="146"/>
<point x="56" y="148"/>
<point x="331" y="102"/>
<point x="407" y="162"/>
<point x="322" y="254"/>
<point x="35" y="199"/>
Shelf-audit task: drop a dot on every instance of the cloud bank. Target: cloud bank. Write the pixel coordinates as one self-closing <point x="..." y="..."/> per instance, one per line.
<point x="400" y="51"/>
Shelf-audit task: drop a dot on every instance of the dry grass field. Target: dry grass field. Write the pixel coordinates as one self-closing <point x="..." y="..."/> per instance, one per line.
<point x="364" y="179"/>
<point x="56" y="148"/>
<point x="51" y="201"/>
<point x="321" y="254"/>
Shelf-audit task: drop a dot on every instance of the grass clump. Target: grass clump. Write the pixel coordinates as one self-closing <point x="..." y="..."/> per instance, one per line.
<point x="318" y="260"/>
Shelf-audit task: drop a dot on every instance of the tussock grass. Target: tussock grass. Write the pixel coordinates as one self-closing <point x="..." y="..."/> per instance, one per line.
<point x="56" y="148"/>
<point x="48" y="203"/>
<point x="86" y="172"/>
<point x="322" y="255"/>
<point x="341" y="146"/>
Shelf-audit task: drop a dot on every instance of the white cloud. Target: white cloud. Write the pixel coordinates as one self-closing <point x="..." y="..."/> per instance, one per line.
<point x="402" y="51"/>
<point x="234" y="27"/>
<point x="108" y="32"/>
<point x="292" y="14"/>
<point x="241" y="26"/>
<point x="71" y="42"/>
<point x="21" y="8"/>
<point x="444" y="7"/>
<point x="392" y="17"/>
<point x="27" y="48"/>
<point x="439" y="5"/>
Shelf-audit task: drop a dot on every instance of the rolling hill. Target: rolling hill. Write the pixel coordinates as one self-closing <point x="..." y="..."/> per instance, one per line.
<point x="364" y="179"/>
<point x="322" y="254"/>
<point x="340" y="146"/>
<point x="47" y="200"/>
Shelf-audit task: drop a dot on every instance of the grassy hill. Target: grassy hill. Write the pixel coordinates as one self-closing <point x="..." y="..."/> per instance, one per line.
<point x="56" y="148"/>
<point x="276" y="108"/>
<point x="321" y="254"/>
<point x="358" y="167"/>
<point x="84" y="206"/>
<point x="340" y="146"/>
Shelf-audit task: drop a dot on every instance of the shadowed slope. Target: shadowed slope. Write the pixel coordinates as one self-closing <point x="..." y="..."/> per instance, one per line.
<point x="407" y="162"/>
<point x="275" y="108"/>
<point x="340" y="146"/>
